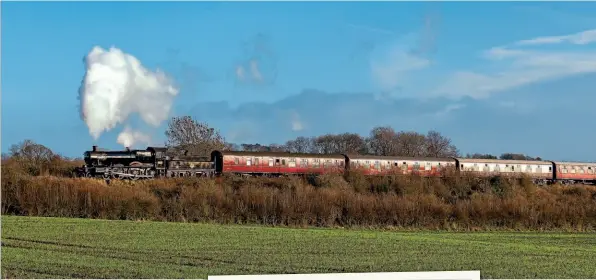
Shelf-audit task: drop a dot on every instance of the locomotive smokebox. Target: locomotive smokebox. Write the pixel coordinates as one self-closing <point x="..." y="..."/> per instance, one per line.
<point x="94" y="148"/>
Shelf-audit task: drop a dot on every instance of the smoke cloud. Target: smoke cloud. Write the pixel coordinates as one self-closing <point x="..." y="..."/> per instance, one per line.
<point x="115" y="86"/>
<point x="129" y="137"/>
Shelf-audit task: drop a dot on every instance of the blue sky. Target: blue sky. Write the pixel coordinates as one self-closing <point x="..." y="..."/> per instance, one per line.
<point x="495" y="77"/>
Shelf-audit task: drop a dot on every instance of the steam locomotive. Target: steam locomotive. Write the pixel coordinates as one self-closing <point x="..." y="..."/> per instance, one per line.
<point x="154" y="162"/>
<point x="142" y="164"/>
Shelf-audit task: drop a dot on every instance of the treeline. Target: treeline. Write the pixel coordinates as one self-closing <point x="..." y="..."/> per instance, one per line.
<point x="185" y="134"/>
<point x="383" y="141"/>
<point x="188" y="134"/>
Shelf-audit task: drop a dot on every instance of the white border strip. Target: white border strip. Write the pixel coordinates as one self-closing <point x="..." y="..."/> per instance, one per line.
<point x="431" y="275"/>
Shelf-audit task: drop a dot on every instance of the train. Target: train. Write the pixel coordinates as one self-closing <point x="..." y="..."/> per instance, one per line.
<point x="154" y="162"/>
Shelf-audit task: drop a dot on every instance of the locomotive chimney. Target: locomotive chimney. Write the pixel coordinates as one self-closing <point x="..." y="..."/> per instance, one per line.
<point x="94" y="148"/>
<point x="128" y="149"/>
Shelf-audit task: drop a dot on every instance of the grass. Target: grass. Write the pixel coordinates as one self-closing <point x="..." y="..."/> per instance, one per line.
<point x="38" y="247"/>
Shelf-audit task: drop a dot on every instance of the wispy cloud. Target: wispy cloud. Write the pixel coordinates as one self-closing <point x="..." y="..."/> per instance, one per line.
<point x="392" y="68"/>
<point x="405" y="54"/>
<point x="297" y="124"/>
<point x="448" y="109"/>
<point x="259" y="66"/>
<point x="580" y="38"/>
<point x="522" y="66"/>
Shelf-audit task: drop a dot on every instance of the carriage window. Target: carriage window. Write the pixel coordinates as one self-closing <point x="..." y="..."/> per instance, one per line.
<point x="256" y="161"/>
<point x="270" y="162"/>
<point x="395" y="163"/>
<point x="303" y="162"/>
<point x="236" y="161"/>
<point x="550" y="168"/>
<point x="486" y="168"/>
<point x="292" y="162"/>
<point x="428" y="166"/>
<point x="248" y="162"/>
<point x="283" y="162"/>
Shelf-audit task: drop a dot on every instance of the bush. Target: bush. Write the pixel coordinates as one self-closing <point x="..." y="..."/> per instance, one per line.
<point x="454" y="203"/>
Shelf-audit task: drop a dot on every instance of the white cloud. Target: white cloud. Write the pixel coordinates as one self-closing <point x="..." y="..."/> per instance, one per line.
<point x="580" y="38"/>
<point x="391" y="70"/>
<point x="448" y="109"/>
<point x="254" y="69"/>
<point x="519" y="67"/>
<point x="297" y="124"/>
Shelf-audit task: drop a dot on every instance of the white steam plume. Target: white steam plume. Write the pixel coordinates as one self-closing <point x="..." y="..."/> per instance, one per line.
<point x="128" y="137"/>
<point x="116" y="85"/>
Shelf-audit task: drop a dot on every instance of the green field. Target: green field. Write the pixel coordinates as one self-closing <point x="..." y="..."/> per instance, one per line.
<point x="79" y="248"/>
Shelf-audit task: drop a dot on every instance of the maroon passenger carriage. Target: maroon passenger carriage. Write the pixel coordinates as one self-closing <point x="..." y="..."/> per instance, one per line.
<point x="275" y="164"/>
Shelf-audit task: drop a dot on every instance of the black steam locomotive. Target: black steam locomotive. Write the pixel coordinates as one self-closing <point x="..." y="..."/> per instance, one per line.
<point x="142" y="164"/>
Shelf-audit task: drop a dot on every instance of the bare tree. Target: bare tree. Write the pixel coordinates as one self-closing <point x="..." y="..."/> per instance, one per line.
<point x="32" y="157"/>
<point x="326" y="144"/>
<point x="512" y="156"/>
<point x="410" y="143"/>
<point x="300" y="145"/>
<point x="186" y="133"/>
<point x="255" y="147"/>
<point x="381" y="141"/>
<point x="351" y="143"/>
<point x="277" y="148"/>
<point x="481" y="156"/>
<point x="231" y="147"/>
<point x="438" y="145"/>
